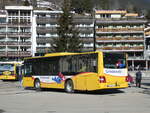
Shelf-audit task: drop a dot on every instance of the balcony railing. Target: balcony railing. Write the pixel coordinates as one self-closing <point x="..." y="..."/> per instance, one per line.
<point x="19" y="43"/>
<point x="3" y="43"/>
<point x="39" y="40"/>
<point x="46" y="20"/>
<point x="16" y="54"/>
<point x="25" y="35"/>
<point x="120" y="39"/>
<point x="15" y="43"/>
<point x="122" y="48"/>
<point x="120" y="20"/>
<point x="22" y="34"/>
<point x="119" y="29"/>
<point x="3" y="24"/>
<point x="21" y="24"/>
<point x="46" y="29"/>
<point x="43" y="50"/>
<point x="3" y="54"/>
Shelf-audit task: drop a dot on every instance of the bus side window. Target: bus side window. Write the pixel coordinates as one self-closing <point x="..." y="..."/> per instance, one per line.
<point x="28" y="70"/>
<point x="17" y="70"/>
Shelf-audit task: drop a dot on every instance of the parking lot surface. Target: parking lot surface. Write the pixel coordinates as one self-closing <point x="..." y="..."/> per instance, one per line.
<point x="15" y="99"/>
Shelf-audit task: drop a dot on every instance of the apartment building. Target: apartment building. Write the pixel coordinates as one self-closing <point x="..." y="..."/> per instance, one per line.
<point x="85" y="26"/>
<point x="25" y="32"/>
<point x="147" y="42"/>
<point x="120" y="31"/>
<point x="46" y="29"/>
<point x="15" y="32"/>
<point x="2" y="33"/>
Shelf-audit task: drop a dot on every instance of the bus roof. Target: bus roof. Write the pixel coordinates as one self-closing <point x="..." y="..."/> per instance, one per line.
<point x="61" y="54"/>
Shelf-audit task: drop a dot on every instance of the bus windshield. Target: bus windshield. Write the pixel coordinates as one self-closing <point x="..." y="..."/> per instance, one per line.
<point x="114" y="60"/>
<point x="6" y="67"/>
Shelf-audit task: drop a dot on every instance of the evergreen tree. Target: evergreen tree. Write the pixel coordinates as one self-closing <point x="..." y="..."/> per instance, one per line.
<point x="80" y="6"/>
<point x="148" y="15"/>
<point x="104" y="4"/>
<point x="26" y="3"/>
<point x="88" y="6"/>
<point x="68" y="40"/>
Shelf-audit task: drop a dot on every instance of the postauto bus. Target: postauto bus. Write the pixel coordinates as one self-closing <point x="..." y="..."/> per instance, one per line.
<point x="10" y="70"/>
<point x="76" y="71"/>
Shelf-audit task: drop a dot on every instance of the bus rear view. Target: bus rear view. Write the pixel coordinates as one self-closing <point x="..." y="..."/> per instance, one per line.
<point x="115" y="70"/>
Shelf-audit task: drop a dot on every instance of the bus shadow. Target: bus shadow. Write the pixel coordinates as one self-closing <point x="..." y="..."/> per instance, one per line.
<point x="2" y="111"/>
<point x="101" y="92"/>
<point x="97" y="92"/>
<point x="9" y="80"/>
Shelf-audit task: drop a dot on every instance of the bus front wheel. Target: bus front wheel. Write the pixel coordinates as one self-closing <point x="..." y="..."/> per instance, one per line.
<point x="69" y="88"/>
<point x="37" y="85"/>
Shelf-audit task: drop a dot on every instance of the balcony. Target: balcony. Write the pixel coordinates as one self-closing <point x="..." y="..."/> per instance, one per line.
<point x="19" y="54"/>
<point x="139" y="48"/>
<point x="28" y="34"/>
<point x="25" y="24"/>
<point x="13" y="34"/>
<point x="120" y="21"/>
<point x="3" y="34"/>
<point x="43" y="50"/>
<point x="44" y="40"/>
<point x="3" y="54"/>
<point x="21" y="24"/>
<point x="120" y="39"/>
<point x="81" y="20"/>
<point x="16" y="54"/>
<point x="87" y="39"/>
<point x="25" y="43"/>
<point x="3" y="43"/>
<point x="3" y="24"/>
<point x="128" y="30"/>
<point x="44" y="20"/>
<point x="46" y="30"/>
<point x="21" y="34"/>
<point x="15" y="43"/>
<point x="85" y="30"/>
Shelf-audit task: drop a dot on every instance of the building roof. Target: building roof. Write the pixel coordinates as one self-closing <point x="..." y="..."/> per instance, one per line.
<point x="18" y="7"/>
<point x="47" y="11"/>
<point x="110" y="11"/>
<point x="131" y="14"/>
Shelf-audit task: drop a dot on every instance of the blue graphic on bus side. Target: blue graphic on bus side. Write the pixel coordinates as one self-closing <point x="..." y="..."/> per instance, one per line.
<point x="57" y="79"/>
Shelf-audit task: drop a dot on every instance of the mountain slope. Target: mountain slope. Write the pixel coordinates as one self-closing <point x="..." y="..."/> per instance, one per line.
<point x="114" y="4"/>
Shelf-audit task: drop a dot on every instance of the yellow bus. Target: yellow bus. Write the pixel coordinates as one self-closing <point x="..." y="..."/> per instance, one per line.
<point x="9" y="70"/>
<point x="76" y="71"/>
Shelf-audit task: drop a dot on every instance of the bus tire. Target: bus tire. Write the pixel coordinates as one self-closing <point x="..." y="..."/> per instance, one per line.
<point x="69" y="87"/>
<point x="37" y="85"/>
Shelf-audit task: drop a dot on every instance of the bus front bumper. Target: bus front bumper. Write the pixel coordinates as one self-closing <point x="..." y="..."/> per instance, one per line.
<point x="7" y="77"/>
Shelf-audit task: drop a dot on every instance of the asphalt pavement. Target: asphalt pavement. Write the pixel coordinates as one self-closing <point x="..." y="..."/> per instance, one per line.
<point x="15" y="99"/>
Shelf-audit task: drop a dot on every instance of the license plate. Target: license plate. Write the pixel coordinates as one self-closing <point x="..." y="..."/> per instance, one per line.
<point x="111" y="85"/>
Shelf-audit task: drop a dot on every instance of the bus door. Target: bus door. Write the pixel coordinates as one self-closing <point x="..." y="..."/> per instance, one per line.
<point x="27" y="79"/>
